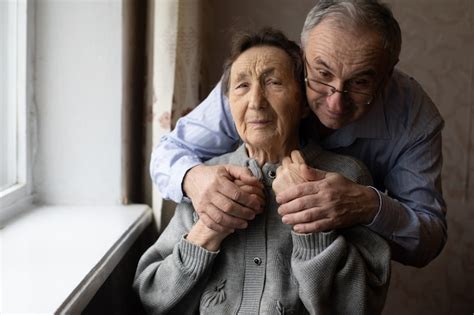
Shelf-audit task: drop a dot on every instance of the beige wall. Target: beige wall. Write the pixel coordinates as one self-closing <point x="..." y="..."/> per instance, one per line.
<point x="438" y="50"/>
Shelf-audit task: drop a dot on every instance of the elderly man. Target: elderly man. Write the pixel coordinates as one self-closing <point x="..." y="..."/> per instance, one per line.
<point x="365" y="108"/>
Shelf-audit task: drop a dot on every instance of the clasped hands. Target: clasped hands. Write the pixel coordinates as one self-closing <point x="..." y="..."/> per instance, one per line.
<point x="227" y="197"/>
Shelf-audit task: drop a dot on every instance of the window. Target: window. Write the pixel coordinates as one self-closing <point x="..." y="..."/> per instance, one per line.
<point x="14" y="183"/>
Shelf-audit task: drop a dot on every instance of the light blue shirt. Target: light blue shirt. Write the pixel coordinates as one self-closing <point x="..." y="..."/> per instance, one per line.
<point x="399" y="140"/>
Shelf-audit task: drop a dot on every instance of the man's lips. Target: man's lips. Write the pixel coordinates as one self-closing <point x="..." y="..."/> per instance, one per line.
<point x="335" y="115"/>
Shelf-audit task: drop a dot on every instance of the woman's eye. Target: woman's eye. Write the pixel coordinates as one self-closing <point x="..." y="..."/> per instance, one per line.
<point x="241" y="85"/>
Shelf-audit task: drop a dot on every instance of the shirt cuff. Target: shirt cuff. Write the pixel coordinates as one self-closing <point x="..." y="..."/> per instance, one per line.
<point x="386" y="220"/>
<point x="176" y="179"/>
<point x="380" y="204"/>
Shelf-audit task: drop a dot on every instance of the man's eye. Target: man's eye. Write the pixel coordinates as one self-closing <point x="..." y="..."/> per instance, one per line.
<point x="323" y="75"/>
<point x="360" y="84"/>
<point x="273" y="82"/>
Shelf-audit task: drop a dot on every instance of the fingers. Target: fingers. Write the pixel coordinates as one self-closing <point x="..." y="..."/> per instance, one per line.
<point x="232" y="208"/>
<point x="312" y="174"/>
<point x="296" y="191"/>
<point x="243" y="174"/>
<point x="322" y="225"/>
<point x="304" y="216"/>
<point x="235" y="195"/>
<point x="210" y="223"/>
<point x="299" y="204"/>
<point x="309" y="219"/>
<point x="223" y="204"/>
<point x="285" y="163"/>
<point x="250" y="189"/>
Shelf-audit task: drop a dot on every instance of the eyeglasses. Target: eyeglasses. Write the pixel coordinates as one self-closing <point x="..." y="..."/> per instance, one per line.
<point x="357" y="96"/>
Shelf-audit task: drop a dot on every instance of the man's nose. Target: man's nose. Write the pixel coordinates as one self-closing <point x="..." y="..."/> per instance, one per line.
<point x="336" y="102"/>
<point x="258" y="98"/>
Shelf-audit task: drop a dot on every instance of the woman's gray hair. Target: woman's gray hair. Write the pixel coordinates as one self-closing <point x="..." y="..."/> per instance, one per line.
<point x="370" y="14"/>
<point x="267" y="36"/>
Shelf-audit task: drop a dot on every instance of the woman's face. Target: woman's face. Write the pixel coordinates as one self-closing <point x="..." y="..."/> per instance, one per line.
<point x="265" y="98"/>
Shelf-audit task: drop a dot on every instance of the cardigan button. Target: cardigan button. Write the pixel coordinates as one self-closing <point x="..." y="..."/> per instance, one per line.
<point x="257" y="261"/>
<point x="272" y="174"/>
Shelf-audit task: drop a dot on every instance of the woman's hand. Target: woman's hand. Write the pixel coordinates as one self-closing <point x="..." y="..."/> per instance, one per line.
<point x="290" y="172"/>
<point x="204" y="237"/>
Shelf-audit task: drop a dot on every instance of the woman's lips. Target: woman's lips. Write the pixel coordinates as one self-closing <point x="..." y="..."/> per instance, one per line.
<point x="259" y="123"/>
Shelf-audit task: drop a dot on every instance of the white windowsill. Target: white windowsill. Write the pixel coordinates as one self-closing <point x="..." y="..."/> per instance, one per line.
<point x="54" y="258"/>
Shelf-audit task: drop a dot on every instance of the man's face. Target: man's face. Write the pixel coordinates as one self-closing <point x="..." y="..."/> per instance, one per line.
<point x="347" y="60"/>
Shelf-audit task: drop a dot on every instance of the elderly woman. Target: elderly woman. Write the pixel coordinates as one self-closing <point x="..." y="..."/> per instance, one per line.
<point x="266" y="268"/>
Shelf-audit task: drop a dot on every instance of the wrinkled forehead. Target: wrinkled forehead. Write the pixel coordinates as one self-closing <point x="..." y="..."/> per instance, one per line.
<point x="345" y="47"/>
<point x="260" y="61"/>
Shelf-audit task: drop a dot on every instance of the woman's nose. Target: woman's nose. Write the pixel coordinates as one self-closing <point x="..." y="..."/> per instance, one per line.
<point x="257" y="98"/>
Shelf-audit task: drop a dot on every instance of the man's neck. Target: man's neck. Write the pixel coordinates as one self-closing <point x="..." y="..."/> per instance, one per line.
<point x="323" y="131"/>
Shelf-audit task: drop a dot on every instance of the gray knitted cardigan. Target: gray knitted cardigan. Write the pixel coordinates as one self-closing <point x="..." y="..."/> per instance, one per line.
<point x="267" y="268"/>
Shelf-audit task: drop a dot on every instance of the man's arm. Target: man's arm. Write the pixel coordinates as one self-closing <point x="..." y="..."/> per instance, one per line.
<point x="172" y="274"/>
<point x="413" y="211"/>
<point x="411" y="216"/>
<point x="177" y="171"/>
<point x="205" y="132"/>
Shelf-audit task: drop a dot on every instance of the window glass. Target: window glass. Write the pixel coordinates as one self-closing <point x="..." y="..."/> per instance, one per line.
<point x="8" y="94"/>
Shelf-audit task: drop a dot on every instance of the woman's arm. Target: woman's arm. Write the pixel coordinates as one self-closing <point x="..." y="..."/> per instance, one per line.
<point x="172" y="274"/>
<point x="342" y="273"/>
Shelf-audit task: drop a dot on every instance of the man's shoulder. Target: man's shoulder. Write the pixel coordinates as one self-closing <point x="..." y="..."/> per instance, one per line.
<point x="407" y="105"/>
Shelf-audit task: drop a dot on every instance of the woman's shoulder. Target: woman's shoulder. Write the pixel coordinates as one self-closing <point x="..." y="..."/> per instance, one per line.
<point x="348" y="166"/>
<point x="237" y="157"/>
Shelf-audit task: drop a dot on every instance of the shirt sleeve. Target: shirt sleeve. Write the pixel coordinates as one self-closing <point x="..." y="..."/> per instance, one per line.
<point x="205" y="132"/>
<point x="342" y="273"/>
<point x="412" y="215"/>
<point x="172" y="274"/>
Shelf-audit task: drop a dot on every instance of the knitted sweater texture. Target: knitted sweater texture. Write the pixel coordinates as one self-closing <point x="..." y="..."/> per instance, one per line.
<point x="267" y="268"/>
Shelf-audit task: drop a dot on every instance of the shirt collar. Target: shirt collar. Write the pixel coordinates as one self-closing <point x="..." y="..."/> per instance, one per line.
<point x="373" y="125"/>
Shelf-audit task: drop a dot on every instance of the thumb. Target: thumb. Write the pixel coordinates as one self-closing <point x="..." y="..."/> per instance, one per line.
<point x="241" y="173"/>
<point x="296" y="157"/>
<point x="311" y="174"/>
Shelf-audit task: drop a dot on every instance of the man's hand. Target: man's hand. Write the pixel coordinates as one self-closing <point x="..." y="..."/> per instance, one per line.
<point x="322" y="201"/>
<point x="224" y="196"/>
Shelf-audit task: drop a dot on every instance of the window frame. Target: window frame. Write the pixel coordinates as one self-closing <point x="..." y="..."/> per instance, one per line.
<point x="19" y="197"/>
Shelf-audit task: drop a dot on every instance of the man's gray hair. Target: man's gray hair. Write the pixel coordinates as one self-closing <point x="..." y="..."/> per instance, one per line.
<point x="370" y="14"/>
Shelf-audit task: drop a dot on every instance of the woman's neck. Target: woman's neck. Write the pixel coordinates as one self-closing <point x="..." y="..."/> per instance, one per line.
<point x="272" y="153"/>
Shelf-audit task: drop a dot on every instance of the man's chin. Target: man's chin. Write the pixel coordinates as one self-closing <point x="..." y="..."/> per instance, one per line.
<point x="333" y="124"/>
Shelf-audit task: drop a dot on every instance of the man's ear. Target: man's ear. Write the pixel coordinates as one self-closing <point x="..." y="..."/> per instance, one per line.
<point x="305" y="111"/>
<point x="390" y="72"/>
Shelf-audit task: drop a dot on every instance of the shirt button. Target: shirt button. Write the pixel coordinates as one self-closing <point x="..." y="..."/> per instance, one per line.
<point x="257" y="261"/>
<point x="272" y="174"/>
